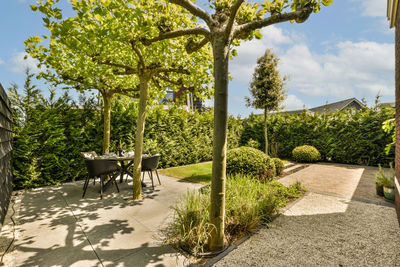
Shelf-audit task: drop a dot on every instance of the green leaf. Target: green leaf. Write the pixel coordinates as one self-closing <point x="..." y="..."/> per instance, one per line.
<point x="327" y="2"/>
<point x="258" y="34"/>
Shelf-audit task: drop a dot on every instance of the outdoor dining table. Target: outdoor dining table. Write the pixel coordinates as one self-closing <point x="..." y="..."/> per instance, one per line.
<point x="124" y="166"/>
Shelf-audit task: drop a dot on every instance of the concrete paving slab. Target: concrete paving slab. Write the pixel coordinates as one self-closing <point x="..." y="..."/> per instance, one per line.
<point x="314" y="203"/>
<point x="69" y="255"/>
<point x="56" y="227"/>
<point x="153" y="255"/>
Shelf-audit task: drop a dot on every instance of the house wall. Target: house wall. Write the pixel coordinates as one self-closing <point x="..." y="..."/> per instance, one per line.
<point x="397" y="97"/>
<point x="5" y="153"/>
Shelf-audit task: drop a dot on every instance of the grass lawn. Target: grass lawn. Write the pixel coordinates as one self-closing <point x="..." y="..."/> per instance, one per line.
<point x="197" y="173"/>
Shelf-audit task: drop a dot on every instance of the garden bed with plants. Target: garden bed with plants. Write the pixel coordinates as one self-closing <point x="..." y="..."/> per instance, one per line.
<point x="249" y="203"/>
<point x="252" y="198"/>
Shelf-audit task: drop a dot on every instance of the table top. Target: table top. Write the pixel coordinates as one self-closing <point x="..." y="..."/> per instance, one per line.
<point x="130" y="157"/>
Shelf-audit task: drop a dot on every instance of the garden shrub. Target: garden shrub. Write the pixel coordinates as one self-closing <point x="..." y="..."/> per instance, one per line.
<point x="348" y="136"/>
<point x="248" y="204"/>
<point x="306" y="154"/>
<point x="253" y="143"/>
<point x="250" y="161"/>
<point x="49" y="134"/>
<point x="279" y="166"/>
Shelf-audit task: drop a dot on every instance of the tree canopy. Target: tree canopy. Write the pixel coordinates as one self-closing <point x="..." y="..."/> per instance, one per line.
<point x="266" y="87"/>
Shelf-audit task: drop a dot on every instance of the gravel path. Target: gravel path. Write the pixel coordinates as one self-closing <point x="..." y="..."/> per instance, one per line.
<point x="324" y="230"/>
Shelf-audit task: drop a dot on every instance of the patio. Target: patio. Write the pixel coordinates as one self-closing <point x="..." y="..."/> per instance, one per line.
<point x="56" y="227"/>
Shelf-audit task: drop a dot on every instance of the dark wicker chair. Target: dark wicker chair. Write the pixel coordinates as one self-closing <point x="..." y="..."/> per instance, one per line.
<point x="100" y="168"/>
<point x="149" y="164"/>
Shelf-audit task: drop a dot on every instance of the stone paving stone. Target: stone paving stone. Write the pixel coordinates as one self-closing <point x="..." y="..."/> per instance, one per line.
<point x="56" y="227"/>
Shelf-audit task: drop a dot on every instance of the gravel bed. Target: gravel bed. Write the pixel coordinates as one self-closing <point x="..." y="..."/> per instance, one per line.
<point x="364" y="235"/>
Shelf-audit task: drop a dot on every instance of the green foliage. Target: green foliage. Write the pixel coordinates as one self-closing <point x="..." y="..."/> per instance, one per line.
<point x="349" y="136"/>
<point x="306" y="154"/>
<point x="385" y="179"/>
<point x="279" y="166"/>
<point x="389" y="126"/>
<point x="253" y="143"/>
<point x="266" y="87"/>
<point x="49" y="135"/>
<point x="249" y="203"/>
<point x="249" y="161"/>
<point x="191" y="227"/>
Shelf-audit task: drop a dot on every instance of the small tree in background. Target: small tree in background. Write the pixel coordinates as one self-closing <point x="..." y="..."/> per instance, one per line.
<point x="266" y="88"/>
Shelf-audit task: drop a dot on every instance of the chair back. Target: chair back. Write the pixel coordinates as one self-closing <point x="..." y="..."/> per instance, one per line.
<point x="150" y="163"/>
<point x="89" y="155"/>
<point x="97" y="167"/>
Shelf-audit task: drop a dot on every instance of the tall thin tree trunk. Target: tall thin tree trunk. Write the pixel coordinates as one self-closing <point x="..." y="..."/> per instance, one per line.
<point x="266" y="130"/>
<point x="137" y="165"/>
<point x="217" y="212"/>
<point x="107" y="122"/>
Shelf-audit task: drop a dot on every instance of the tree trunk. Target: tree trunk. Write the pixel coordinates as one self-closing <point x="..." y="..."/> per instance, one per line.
<point x="137" y="165"/>
<point x="107" y="122"/>
<point x="217" y="212"/>
<point x="266" y="130"/>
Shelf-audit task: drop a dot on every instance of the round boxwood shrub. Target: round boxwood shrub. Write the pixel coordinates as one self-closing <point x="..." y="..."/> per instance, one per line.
<point x="250" y="161"/>
<point x="306" y="154"/>
<point x="279" y="166"/>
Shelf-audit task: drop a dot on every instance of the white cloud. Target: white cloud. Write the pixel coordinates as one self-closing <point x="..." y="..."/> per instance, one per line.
<point x="20" y="64"/>
<point x="243" y="65"/>
<point x="292" y="102"/>
<point x="346" y="69"/>
<point x="373" y="8"/>
<point x="1" y="61"/>
<point x="354" y="70"/>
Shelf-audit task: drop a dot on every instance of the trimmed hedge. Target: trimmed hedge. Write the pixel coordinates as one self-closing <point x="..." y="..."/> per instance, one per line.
<point x="48" y="138"/>
<point x="250" y="161"/>
<point x="306" y="154"/>
<point x="350" y="136"/>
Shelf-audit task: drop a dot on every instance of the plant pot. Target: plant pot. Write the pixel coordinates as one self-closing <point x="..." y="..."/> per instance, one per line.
<point x="379" y="189"/>
<point x="389" y="193"/>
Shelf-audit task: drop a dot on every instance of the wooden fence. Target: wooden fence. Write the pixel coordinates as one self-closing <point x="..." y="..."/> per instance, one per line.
<point x="5" y="153"/>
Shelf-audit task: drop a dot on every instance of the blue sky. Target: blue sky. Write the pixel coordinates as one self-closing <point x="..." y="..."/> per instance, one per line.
<point x="346" y="50"/>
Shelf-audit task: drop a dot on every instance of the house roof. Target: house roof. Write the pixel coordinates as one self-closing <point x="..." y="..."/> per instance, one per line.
<point x="297" y="111"/>
<point x="340" y="105"/>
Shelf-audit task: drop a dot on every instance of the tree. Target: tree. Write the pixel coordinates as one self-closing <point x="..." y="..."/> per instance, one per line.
<point x="68" y="62"/>
<point x="266" y="88"/>
<point x="106" y="36"/>
<point x="232" y="21"/>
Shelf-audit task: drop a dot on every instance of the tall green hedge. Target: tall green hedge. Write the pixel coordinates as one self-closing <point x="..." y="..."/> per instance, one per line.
<point x="49" y="134"/>
<point x="354" y="137"/>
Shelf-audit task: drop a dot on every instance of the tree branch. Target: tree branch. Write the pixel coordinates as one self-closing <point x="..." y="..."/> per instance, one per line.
<point x="178" y="33"/>
<point x="234" y="9"/>
<point x="194" y="9"/>
<point x="118" y="65"/>
<point x="176" y="70"/>
<point x="126" y="72"/>
<point x="193" y="47"/>
<point x="138" y="53"/>
<point x="165" y="78"/>
<point x="300" y="15"/>
<point x="156" y="83"/>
